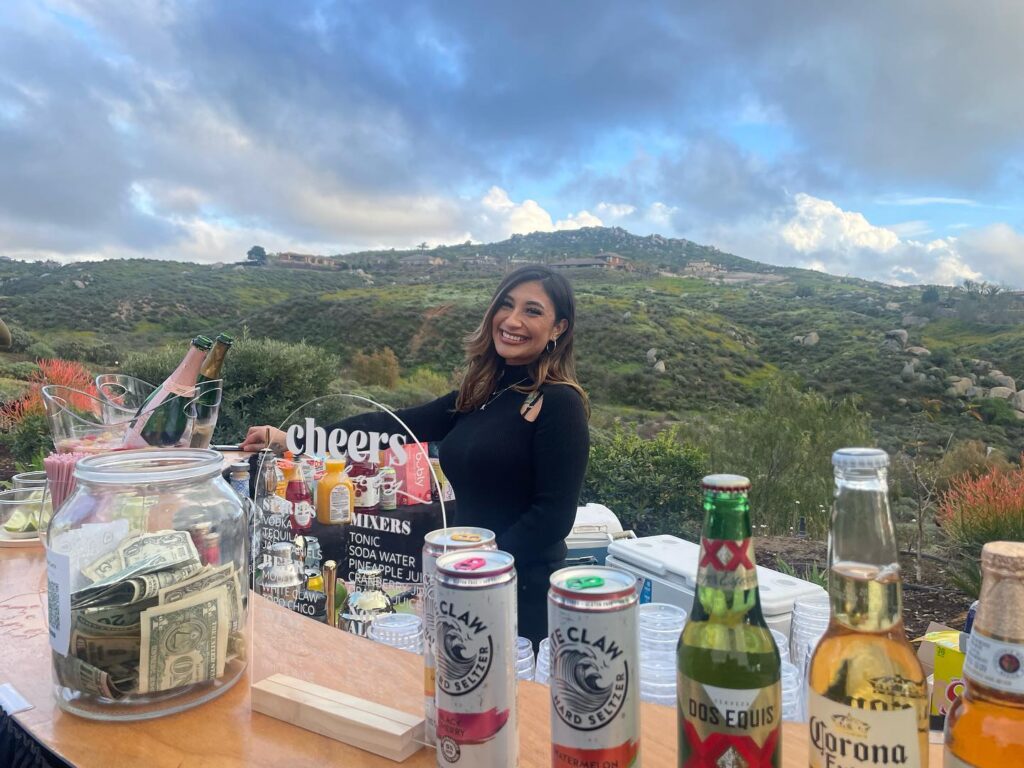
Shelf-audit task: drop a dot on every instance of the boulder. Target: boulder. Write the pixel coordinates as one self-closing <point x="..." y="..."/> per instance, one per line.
<point x="892" y="306"/>
<point x="918" y="352"/>
<point x="652" y="356"/>
<point x="659" y="367"/>
<point x="1017" y="401"/>
<point x="627" y="315"/>
<point x="974" y="392"/>
<point x="1003" y="380"/>
<point x="899" y="334"/>
<point x="915" y="320"/>
<point x="1003" y="393"/>
<point x="958" y="386"/>
<point x="892" y="345"/>
<point x="1019" y="415"/>
<point x="981" y="367"/>
<point x="810" y="339"/>
<point x="902" y="402"/>
<point x="907" y="374"/>
<point x="78" y="284"/>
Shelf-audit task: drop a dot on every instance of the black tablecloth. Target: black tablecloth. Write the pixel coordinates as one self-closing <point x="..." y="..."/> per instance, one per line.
<point x="19" y="750"/>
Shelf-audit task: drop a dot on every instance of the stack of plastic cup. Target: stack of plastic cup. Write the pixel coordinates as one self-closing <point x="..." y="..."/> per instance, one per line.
<point x="399" y="630"/>
<point x="541" y="673"/>
<point x="792" y="694"/>
<point x="524" y="659"/>
<point x="810" y="620"/>
<point x="660" y="627"/>
<point x="782" y="642"/>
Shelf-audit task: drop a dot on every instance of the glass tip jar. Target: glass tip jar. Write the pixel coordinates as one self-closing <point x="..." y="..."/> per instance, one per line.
<point x="147" y="567"/>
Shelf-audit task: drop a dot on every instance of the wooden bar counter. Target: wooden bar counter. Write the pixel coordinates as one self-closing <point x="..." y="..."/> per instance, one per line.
<point x="226" y="733"/>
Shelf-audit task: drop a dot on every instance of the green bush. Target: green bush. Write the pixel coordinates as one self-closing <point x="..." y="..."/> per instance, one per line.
<point x="11" y="389"/>
<point x="16" y="370"/>
<point x="653" y="486"/>
<point x="264" y="381"/>
<point x="20" y="338"/>
<point x="784" y="445"/>
<point x="29" y="441"/>
<point x="40" y="350"/>
<point x="103" y="353"/>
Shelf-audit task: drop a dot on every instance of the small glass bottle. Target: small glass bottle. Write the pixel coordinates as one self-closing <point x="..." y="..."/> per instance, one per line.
<point x="867" y="693"/>
<point x="729" y="692"/>
<point x="335" y="495"/>
<point x="985" y="725"/>
<point x="298" y="495"/>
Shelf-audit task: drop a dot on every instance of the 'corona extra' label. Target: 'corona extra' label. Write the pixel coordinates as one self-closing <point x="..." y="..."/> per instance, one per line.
<point x="729" y="727"/>
<point x="727" y="564"/>
<point x="842" y="736"/>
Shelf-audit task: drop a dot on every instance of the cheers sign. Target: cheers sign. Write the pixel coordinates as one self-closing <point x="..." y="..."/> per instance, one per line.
<point x="357" y="445"/>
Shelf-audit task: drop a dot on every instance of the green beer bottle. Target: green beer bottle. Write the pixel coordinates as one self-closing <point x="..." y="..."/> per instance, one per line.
<point x="206" y="403"/>
<point x="729" y="694"/>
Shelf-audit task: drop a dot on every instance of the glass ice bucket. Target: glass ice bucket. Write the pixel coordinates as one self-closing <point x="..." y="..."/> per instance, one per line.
<point x="147" y="569"/>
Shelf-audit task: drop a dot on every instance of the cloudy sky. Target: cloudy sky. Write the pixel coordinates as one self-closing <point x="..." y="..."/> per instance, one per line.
<point x="883" y="140"/>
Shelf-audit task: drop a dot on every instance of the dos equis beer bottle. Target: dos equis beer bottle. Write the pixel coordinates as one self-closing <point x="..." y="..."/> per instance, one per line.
<point x="730" y="708"/>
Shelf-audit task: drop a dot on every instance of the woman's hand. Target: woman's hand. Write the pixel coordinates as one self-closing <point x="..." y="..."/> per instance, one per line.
<point x="266" y="436"/>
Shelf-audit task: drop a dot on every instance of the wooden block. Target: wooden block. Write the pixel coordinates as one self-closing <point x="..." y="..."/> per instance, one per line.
<point x="364" y="724"/>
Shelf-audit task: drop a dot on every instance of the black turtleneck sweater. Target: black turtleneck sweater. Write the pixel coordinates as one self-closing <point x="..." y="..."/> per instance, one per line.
<point x="518" y="478"/>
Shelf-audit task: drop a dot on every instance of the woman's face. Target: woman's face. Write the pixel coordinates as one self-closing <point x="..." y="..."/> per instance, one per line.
<point x="524" y="323"/>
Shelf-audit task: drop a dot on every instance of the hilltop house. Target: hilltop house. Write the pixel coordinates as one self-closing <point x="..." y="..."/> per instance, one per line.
<point x="422" y="260"/>
<point x="301" y="261"/>
<point x="601" y="261"/>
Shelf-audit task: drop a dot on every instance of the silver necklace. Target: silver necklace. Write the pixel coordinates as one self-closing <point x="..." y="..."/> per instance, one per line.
<point x="501" y="392"/>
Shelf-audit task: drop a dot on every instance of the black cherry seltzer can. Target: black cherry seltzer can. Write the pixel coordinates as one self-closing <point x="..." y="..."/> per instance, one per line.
<point x="595" y="681"/>
<point x="435" y="544"/>
<point x="475" y="636"/>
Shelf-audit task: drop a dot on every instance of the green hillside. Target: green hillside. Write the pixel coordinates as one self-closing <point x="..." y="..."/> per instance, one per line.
<point x="720" y="326"/>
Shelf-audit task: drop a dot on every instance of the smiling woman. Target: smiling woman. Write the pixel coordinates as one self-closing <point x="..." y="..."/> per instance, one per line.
<point x="513" y="438"/>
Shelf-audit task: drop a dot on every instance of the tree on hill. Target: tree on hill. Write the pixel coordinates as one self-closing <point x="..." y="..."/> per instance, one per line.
<point x="257" y="254"/>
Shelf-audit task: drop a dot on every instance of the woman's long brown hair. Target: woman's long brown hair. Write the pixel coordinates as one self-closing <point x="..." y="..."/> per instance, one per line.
<point x="483" y="363"/>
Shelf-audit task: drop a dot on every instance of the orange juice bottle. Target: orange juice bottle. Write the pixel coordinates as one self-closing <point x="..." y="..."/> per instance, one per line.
<point x="282" y="465"/>
<point x="335" y="495"/>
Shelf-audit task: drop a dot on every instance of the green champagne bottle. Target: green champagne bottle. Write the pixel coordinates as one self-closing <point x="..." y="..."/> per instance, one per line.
<point x="729" y="694"/>
<point x="163" y="418"/>
<point x="208" y="400"/>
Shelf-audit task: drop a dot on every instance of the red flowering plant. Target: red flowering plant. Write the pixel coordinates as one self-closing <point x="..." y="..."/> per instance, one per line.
<point x="976" y="510"/>
<point x="23" y="425"/>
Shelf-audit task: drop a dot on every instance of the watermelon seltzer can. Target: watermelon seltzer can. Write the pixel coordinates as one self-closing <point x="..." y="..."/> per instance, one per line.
<point x="595" y="703"/>
<point x="435" y="544"/>
<point x="475" y="634"/>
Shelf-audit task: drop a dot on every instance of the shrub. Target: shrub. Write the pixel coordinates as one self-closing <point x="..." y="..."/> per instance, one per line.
<point x="653" y="486"/>
<point x="22" y="371"/>
<point x="378" y="368"/>
<point x="784" y="445"/>
<point x="20" y="338"/>
<point x="977" y="510"/>
<point x="40" y="350"/>
<point x="264" y="381"/>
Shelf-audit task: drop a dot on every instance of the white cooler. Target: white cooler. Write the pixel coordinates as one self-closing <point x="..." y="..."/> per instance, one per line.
<point x="593" y="531"/>
<point x="668" y="567"/>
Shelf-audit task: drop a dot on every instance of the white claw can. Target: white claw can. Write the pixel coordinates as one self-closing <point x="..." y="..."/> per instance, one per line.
<point x="435" y="544"/>
<point x="595" y="680"/>
<point x="475" y="633"/>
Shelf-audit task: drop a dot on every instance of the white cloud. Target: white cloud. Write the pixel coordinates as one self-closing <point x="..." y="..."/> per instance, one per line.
<point x="901" y="200"/>
<point x="579" y="220"/>
<point x="615" y="210"/>
<point x="820" y="224"/>
<point x="501" y="217"/>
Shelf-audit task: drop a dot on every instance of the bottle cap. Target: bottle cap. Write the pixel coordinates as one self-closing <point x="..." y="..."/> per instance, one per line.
<point x="223" y="338"/>
<point x="860" y="458"/>
<point x="240" y="466"/>
<point x="725" y="483"/>
<point x="203" y="342"/>
<point x="1005" y="557"/>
